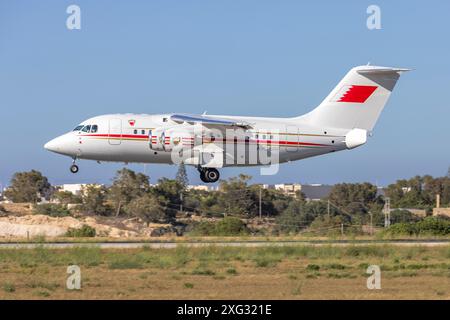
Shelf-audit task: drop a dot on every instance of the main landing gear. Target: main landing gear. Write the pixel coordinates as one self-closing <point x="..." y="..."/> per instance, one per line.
<point x="209" y="175"/>
<point x="74" y="167"/>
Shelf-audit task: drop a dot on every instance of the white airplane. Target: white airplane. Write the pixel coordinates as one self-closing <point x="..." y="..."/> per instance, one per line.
<point x="343" y="120"/>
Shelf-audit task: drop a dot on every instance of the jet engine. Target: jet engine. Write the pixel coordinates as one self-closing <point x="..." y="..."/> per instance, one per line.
<point x="166" y="139"/>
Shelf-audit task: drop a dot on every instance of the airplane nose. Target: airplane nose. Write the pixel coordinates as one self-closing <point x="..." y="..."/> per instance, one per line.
<point x="52" y="145"/>
<point x="64" y="145"/>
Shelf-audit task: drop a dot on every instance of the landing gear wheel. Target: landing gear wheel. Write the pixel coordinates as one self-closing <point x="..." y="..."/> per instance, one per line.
<point x="211" y="175"/>
<point x="74" y="168"/>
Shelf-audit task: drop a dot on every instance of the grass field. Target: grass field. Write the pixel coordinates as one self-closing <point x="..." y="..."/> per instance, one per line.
<point x="288" y="272"/>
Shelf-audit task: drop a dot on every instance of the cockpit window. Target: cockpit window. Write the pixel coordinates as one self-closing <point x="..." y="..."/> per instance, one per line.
<point x="78" y="128"/>
<point x="94" y="128"/>
<point x="86" y="128"/>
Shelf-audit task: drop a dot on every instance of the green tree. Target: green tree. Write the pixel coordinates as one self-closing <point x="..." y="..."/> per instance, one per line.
<point x="146" y="207"/>
<point x="181" y="176"/>
<point x="419" y="192"/>
<point x="169" y="194"/>
<point x="237" y="198"/>
<point x="356" y="200"/>
<point x="332" y="226"/>
<point x="169" y="191"/>
<point x="52" y="210"/>
<point x="228" y="226"/>
<point x="346" y="195"/>
<point x="127" y="185"/>
<point x="94" y="200"/>
<point x="295" y="217"/>
<point x="399" y="216"/>
<point x="66" y="197"/>
<point x="28" y="187"/>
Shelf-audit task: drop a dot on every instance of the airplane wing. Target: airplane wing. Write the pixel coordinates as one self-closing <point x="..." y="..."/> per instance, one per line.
<point x="208" y="120"/>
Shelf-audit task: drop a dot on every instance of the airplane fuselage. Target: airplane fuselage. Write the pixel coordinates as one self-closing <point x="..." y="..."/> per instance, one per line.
<point x="125" y="138"/>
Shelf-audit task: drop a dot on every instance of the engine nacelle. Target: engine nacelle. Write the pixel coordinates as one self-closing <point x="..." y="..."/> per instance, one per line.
<point x="166" y="139"/>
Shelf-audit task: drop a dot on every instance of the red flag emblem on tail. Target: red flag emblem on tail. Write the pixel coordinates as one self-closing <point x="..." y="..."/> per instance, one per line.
<point x="132" y="122"/>
<point x="354" y="93"/>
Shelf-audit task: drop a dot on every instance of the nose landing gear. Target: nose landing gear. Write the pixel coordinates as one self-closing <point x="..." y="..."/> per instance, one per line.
<point x="209" y="175"/>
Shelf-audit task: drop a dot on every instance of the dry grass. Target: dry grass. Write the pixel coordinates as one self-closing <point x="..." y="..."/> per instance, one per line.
<point x="294" y="272"/>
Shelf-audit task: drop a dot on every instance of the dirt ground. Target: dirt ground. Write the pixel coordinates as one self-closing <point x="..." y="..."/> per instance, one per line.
<point x="226" y="273"/>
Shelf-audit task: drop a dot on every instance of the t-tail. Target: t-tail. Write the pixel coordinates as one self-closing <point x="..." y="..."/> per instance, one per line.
<point x="356" y="102"/>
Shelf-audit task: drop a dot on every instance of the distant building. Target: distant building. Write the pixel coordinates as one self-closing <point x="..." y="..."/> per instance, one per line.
<point x="441" y="212"/>
<point x="75" y="188"/>
<point x="200" y="187"/>
<point x="438" y="211"/>
<point x="315" y="192"/>
<point x="289" y="189"/>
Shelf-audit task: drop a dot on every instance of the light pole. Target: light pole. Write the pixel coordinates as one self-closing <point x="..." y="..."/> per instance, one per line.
<point x="387" y="212"/>
<point x="260" y="202"/>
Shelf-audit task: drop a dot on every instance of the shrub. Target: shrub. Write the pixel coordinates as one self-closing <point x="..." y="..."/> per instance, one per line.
<point x="336" y="266"/>
<point x="84" y="231"/>
<point x="435" y="226"/>
<point x="203" y="228"/>
<point x="125" y="263"/>
<point x="399" y="216"/>
<point x="9" y="287"/>
<point x="312" y="267"/>
<point x="202" y="272"/>
<point x="228" y="226"/>
<point x="266" y="261"/>
<point x="231" y="271"/>
<point x="52" y="210"/>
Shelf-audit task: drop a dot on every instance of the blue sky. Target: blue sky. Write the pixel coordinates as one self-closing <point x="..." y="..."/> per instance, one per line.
<point x="268" y="58"/>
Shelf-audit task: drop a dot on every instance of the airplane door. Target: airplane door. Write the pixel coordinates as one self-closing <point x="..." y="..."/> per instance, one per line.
<point x="115" y="131"/>
<point x="291" y="138"/>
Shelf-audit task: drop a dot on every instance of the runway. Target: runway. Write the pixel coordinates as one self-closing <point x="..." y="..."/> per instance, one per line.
<point x="196" y="244"/>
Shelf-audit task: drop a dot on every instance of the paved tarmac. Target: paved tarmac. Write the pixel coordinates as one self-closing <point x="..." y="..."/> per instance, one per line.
<point x="253" y="243"/>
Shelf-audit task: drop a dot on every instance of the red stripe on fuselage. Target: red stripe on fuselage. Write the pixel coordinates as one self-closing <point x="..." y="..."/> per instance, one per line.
<point x="145" y="137"/>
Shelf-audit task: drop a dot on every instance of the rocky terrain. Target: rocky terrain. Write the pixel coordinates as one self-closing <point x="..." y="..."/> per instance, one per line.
<point x="18" y="221"/>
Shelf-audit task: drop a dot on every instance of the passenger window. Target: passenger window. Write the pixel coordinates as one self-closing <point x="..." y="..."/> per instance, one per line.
<point x="135" y="131"/>
<point x="143" y="131"/>
<point x="94" y="128"/>
<point x="86" y="129"/>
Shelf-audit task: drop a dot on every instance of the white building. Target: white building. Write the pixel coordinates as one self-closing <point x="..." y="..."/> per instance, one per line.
<point x="75" y="188"/>
<point x="289" y="188"/>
